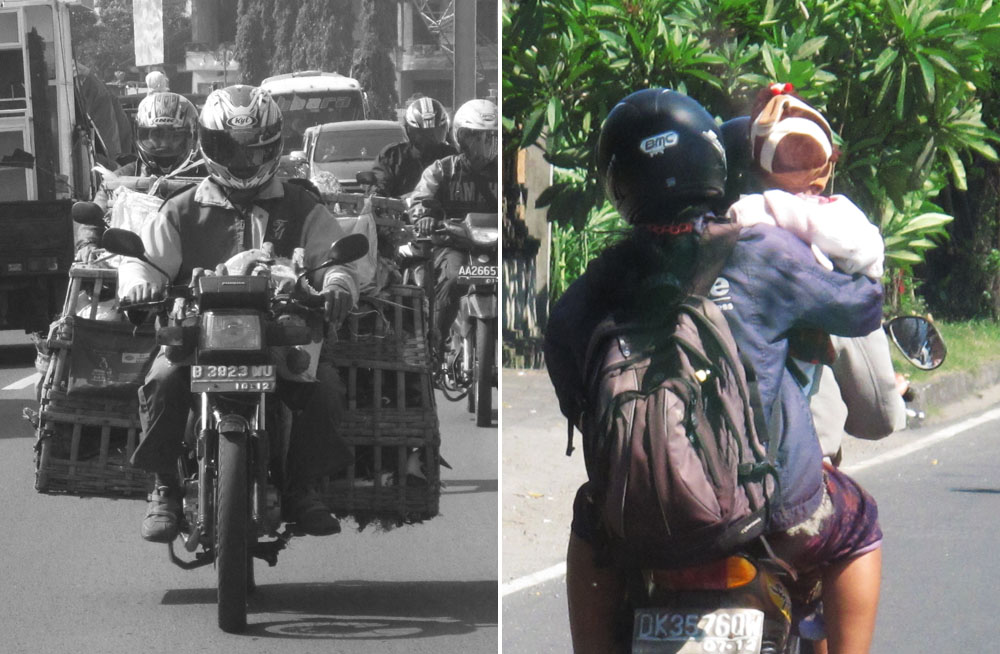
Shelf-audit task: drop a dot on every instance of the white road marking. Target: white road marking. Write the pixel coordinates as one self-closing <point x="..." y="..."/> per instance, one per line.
<point x="22" y="383"/>
<point x="556" y="571"/>
<point x="940" y="435"/>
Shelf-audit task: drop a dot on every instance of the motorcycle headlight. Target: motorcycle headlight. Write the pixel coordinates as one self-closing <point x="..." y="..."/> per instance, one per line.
<point x="230" y="331"/>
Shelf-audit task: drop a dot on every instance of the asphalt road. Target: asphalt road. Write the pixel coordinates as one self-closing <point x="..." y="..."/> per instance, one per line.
<point x="78" y="579"/>
<point x="938" y="508"/>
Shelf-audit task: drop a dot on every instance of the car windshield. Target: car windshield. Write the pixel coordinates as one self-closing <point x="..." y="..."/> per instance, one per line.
<point x="352" y="145"/>
<point x="302" y="110"/>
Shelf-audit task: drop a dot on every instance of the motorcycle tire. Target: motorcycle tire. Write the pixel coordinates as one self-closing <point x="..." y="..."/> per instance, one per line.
<point x="471" y="347"/>
<point x="485" y="354"/>
<point x="231" y="530"/>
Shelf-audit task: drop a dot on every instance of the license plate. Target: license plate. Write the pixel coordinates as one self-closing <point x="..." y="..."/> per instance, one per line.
<point x="473" y="275"/>
<point x="681" y="631"/>
<point x="232" y="379"/>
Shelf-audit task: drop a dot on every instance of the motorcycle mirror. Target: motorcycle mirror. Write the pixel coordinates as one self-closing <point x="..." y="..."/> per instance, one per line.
<point x="366" y="177"/>
<point x="344" y="250"/>
<point x="87" y="213"/>
<point x="918" y="340"/>
<point x="123" y="242"/>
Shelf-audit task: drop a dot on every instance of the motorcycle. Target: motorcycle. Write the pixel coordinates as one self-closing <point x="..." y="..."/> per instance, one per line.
<point x="750" y="602"/>
<point x="228" y="326"/>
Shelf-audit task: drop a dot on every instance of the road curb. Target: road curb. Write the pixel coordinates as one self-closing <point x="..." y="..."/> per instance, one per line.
<point x="952" y="387"/>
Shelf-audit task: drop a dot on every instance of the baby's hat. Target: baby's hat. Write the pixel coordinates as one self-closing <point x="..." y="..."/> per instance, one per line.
<point x="792" y="142"/>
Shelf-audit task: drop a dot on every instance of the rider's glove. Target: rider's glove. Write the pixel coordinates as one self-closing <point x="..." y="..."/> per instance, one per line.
<point x="425" y="225"/>
<point x="338" y="304"/>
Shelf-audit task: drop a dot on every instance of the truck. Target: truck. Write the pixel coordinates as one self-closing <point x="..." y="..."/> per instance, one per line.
<point x="49" y="140"/>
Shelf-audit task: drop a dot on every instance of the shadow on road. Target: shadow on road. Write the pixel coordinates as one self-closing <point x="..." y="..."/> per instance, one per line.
<point x="465" y="486"/>
<point x="987" y="491"/>
<point x="17" y="355"/>
<point x="362" y="610"/>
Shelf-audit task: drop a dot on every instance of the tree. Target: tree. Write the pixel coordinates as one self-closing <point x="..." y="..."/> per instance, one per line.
<point x="250" y="47"/>
<point x="373" y="64"/>
<point x="902" y="82"/>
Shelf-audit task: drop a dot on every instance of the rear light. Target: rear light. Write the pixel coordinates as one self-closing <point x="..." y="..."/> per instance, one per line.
<point x="731" y="572"/>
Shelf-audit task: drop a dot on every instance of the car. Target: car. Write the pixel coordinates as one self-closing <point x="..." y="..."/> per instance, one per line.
<point x="343" y="149"/>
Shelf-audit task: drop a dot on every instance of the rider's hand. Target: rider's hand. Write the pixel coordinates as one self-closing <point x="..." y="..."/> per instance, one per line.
<point x="425" y="225"/>
<point x="145" y="292"/>
<point x="86" y="252"/>
<point x="338" y="305"/>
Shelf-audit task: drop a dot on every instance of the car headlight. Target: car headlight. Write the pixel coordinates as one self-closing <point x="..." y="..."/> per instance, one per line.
<point x="230" y="331"/>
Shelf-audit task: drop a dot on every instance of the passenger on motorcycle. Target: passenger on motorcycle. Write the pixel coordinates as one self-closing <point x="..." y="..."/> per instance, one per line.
<point x="166" y="137"/>
<point x="789" y="155"/>
<point x="824" y="523"/>
<point x="399" y="166"/>
<point x="238" y="207"/>
<point x="458" y="184"/>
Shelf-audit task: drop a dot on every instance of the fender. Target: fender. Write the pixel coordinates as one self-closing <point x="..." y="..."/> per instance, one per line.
<point x="482" y="305"/>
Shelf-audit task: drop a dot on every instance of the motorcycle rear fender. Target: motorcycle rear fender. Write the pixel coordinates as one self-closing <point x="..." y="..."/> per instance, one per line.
<point x="482" y="305"/>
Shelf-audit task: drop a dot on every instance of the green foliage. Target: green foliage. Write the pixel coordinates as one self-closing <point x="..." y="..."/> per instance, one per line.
<point x="573" y="249"/>
<point x="906" y="85"/>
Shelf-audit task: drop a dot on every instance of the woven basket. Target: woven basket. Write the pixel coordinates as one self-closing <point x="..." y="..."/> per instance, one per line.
<point x="87" y="425"/>
<point x="391" y="422"/>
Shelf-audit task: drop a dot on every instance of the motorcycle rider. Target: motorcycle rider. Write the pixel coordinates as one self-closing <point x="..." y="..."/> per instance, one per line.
<point x="771" y="282"/>
<point x="166" y="138"/>
<point x="398" y="167"/>
<point x="458" y="184"/>
<point x="239" y="206"/>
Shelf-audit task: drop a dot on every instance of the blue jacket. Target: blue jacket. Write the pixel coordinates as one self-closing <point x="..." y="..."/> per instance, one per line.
<point x="770" y="284"/>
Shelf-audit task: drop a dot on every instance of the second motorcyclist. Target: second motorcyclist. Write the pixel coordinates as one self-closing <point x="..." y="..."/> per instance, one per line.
<point x="238" y="207"/>
<point x="399" y="166"/>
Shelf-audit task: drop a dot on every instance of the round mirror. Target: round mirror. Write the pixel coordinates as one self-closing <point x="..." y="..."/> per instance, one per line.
<point x="124" y="242"/>
<point x="87" y="213"/>
<point x="918" y="340"/>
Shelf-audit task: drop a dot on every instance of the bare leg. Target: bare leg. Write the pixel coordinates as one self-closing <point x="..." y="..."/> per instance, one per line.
<point x="850" y="602"/>
<point x="594" y="596"/>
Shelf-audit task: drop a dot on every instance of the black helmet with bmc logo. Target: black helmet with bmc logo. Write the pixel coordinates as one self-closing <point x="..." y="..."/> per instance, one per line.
<point x="659" y="152"/>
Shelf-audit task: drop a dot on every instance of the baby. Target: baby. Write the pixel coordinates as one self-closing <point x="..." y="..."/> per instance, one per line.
<point x="793" y="151"/>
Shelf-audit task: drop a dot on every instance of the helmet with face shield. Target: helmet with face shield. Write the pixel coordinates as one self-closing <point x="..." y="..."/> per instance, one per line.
<point x="476" y="128"/>
<point x="425" y="122"/>
<point x="166" y="128"/>
<point x="240" y="136"/>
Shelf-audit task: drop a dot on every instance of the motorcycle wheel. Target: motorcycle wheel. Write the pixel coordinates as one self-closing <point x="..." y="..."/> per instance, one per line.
<point x="231" y="529"/>
<point x="472" y="347"/>
<point x="485" y="354"/>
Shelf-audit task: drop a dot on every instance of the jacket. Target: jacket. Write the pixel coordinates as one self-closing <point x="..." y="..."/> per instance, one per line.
<point x="399" y="166"/>
<point x="460" y="189"/>
<point x="770" y="284"/>
<point x="200" y="228"/>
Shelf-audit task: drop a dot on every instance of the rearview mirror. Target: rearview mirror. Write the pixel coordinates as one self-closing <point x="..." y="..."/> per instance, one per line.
<point x="347" y="249"/>
<point x="123" y="242"/>
<point x="918" y="340"/>
<point x="367" y="178"/>
<point x="87" y="213"/>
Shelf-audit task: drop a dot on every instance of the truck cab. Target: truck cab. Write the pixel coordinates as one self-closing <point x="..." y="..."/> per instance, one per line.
<point x="46" y="156"/>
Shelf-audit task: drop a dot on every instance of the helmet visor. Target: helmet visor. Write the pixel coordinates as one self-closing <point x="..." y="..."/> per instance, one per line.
<point x="479" y="145"/>
<point x="240" y="151"/>
<point x="420" y="136"/>
<point x="163" y="141"/>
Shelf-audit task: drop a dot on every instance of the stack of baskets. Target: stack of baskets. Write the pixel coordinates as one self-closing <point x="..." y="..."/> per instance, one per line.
<point x="87" y="425"/>
<point x="391" y="420"/>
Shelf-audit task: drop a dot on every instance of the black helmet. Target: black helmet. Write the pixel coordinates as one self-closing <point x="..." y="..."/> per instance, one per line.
<point x="659" y="152"/>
